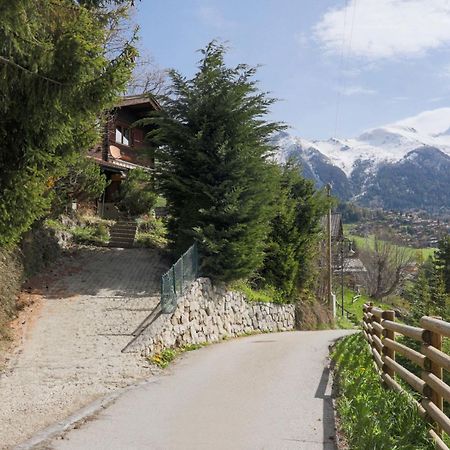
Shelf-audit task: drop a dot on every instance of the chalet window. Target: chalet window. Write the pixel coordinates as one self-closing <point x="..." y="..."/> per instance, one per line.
<point x="123" y="135"/>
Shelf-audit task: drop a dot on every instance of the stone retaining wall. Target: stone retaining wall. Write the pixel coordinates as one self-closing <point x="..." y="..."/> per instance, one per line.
<point x="208" y="314"/>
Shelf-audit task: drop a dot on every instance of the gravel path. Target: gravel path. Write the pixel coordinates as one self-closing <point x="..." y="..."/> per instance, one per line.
<point x="72" y="354"/>
<point x="268" y="392"/>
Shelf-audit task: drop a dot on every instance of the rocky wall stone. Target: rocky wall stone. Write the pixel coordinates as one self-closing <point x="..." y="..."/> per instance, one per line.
<point x="206" y="313"/>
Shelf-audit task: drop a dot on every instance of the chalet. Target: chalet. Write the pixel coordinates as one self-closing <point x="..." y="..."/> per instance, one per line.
<point x="123" y="147"/>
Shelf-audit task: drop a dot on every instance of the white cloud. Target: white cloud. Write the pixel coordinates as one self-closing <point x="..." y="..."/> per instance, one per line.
<point x="212" y="16"/>
<point x="385" y="29"/>
<point x="356" y="90"/>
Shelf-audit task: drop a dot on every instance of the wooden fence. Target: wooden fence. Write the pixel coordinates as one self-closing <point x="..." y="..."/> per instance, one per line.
<point x="380" y="330"/>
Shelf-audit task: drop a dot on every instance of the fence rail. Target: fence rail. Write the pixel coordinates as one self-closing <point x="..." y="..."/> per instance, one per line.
<point x="177" y="278"/>
<point x="380" y="331"/>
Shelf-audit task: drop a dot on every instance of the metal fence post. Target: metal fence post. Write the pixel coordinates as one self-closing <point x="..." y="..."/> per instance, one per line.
<point x="188" y="263"/>
<point x="173" y="280"/>
<point x="182" y="273"/>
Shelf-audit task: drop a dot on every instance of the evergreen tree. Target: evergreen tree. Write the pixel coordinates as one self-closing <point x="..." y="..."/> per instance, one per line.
<point x="443" y="261"/>
<point x="281" y="263"/>
<point x="214" y="144"/>
<point x="427" y="294"/>
<point x="80" y="179"/>
<point x="295" y="233"/>
<point x="419" y="293"/>
<point x="58" y="72"/>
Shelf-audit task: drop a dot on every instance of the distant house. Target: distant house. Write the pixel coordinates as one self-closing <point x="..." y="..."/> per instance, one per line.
<point x="123" y="147"/>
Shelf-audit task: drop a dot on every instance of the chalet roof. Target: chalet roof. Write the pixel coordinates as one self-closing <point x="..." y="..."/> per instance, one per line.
<point x="139" y="102"/>
<point x="337" y="230"/>
<point x="354" y="265"/>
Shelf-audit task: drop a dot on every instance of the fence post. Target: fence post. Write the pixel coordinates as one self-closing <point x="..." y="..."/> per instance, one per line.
<point x="366" y="309"/>
<point x="195" y="253"/>
<point x="173" y="280"/>
<point x="377" y="320"/>
<point x="182" y="273"/>
<point x="389" y="315"/>
<point x="435" y="340"/>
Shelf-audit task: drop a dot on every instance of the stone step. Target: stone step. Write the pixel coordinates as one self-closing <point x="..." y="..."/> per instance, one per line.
<point x="123" y="227"/>
<point x="130" y="234"/>
<point x="121" y="244"/>
<point x="124" y="224"/>
<point x="122" y="234"/>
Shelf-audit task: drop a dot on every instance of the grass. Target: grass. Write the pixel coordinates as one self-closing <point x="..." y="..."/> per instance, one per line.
<point x="419" y="254"/>
<point x="372" y="417"/>
<point x="356" y="308"/>
<point x="166" y="356"/>
<point x="264" y="295"/>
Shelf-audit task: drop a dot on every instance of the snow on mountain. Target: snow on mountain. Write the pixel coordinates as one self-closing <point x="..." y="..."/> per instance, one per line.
<point x="405" y="164"/>
<point x="386" y="144"/>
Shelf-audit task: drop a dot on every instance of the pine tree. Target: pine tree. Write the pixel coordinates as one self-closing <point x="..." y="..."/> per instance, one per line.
<point x="281" y="263"/>
<point x="427" y="294"/>
<point x="58" y="73"/>
<point x="292" y="247"/>
<point x="419" y="293"/>
<point x="213" y="168"/>
<point x="443" y="261"/>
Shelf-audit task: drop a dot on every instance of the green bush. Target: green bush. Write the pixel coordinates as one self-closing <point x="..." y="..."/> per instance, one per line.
<point x="267" y="294"/>
<point x="90" y="234"/>
<point x="372" y="417"/>
<point x="84" y="229"/>
<point x="151" y="233"/>
<point x="137" y="193"/>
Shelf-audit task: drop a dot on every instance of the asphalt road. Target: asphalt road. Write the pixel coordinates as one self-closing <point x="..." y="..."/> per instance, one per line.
<point x="268" y="391"/>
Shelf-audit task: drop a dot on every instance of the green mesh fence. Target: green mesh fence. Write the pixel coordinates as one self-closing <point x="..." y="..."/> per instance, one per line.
<point x="177" y="278"/>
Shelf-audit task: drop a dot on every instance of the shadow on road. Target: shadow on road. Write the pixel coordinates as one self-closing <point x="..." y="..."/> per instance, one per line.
<point x="329" y="424"/>
<point x="100" y="271"/>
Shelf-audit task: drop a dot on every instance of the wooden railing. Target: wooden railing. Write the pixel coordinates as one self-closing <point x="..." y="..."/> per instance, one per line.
<point x="380" y="330"/>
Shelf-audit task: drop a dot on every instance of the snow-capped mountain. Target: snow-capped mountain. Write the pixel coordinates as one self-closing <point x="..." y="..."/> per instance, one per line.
<point x="401" y="165"/>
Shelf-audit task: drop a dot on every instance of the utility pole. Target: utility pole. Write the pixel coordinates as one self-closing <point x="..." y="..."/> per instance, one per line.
<point x="342" y="276"/>
<point x="329" y="259"/>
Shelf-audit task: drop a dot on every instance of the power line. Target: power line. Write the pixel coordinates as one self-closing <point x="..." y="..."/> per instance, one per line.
<point x="341" y="83"/>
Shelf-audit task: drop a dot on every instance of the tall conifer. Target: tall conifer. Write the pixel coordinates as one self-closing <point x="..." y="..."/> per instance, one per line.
<point x="214" y="144"/>
<point x="58" y="73"/>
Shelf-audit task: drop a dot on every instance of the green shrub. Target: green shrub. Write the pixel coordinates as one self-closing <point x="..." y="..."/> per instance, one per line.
<point x="267" y="294"/>
<point x="137" y="193"/>
<point x="151" y="233"/>
<point x="90" y="234"/>
<point x="372" y="417"/>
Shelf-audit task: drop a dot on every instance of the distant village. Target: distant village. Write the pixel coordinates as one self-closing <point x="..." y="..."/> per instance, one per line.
<point x="413" y="229"/>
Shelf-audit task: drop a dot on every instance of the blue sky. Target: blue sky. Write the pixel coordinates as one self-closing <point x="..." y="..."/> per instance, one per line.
<point x="378" y="60"/>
